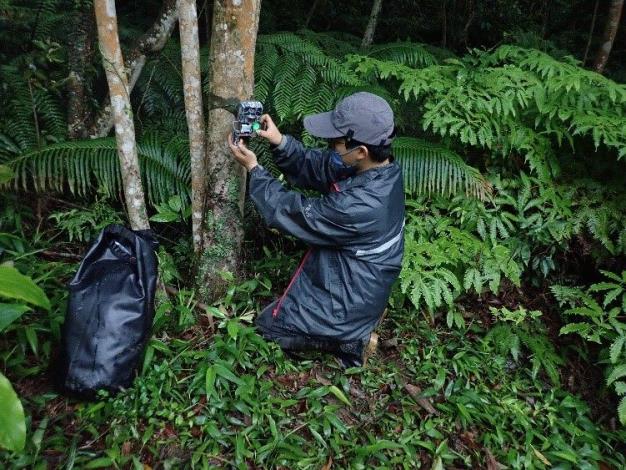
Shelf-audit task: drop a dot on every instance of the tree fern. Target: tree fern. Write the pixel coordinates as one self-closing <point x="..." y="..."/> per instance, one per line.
<point x="335" y="44"/>
<point x="83" y="166"/>
<point x="160" y="87"/>
<point x="404" y="52"/>
<point x="429" y="168"/>
<point x="295" y="77"/>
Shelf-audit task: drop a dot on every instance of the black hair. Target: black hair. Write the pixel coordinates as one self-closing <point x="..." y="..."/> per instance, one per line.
<point x="378" y="153"/>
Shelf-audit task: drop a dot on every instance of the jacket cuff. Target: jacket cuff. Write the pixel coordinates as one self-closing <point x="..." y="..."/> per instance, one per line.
<point x="283" y="143"/>
<point x="256" y="169"/>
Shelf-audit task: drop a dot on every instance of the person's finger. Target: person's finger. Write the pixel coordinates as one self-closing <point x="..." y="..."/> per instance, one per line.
<point x="236" y="151"/>
<point x="267" y="120"/>
<point x="243" y="148"/>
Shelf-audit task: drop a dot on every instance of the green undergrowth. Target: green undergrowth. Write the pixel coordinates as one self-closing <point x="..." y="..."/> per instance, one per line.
<point x="432" y="398"/>
<point x="440" y="393"/>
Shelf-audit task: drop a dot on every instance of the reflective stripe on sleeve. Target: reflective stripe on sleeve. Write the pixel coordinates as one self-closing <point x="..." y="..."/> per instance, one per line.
<point x="379" y="249"/>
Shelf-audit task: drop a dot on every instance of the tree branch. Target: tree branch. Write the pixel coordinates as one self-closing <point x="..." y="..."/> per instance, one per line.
<point x="152" y="41"/>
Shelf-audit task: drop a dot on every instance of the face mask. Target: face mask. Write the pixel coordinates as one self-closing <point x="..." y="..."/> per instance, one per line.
<point x="335" y="158"/>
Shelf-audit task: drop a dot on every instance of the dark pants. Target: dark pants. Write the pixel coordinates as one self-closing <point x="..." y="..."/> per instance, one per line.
<point x="348" y="352"/>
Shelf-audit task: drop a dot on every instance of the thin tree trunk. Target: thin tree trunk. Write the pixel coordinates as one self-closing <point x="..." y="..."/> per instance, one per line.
<point x="610" y="30"/>
<point x="368" y="37"/>
<point x="231" y="73"/>
<point x="192" y="86"/>
<point x="106" y="19"/>
<point x="593" y="26"/>
<point x="470" y="18"/>
<point x="81" y="48"/>
<point x="546" y="17"/>
<point x="152" y="41"/>
<point x="444" y="26"/>
<point x="309" y="16"/>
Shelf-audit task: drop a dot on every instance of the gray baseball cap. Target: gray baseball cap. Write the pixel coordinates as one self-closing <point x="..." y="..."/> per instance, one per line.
<point x="362" y="116"/>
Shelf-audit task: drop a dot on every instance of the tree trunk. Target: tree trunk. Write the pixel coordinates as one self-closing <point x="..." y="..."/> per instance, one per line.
<point x="152" y="41"/>
<point x="192" y="87"/>
<point x="544" y="22"/>
<point x="444" y="24"/>
<point x="610" y="30"/>
<point x="231" y="74"/>
<point x="106" y="19"/>
<point x="593" y="26"/>
<point x="471" y="12"/>
<point x="309" y="16"/>
<point x="80" y="54"/>
<point x="368" y="37"/>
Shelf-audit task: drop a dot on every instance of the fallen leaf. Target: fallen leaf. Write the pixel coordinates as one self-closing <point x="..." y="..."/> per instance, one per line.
<point x="425" y="403"/>
<point x="541" y="457"/>
<point x="492" y="463"/>
<point x="389" y="343"/>
<point x="328" y="464"/>
<point x="127" y="448"/>
<point x="322" y="380"/>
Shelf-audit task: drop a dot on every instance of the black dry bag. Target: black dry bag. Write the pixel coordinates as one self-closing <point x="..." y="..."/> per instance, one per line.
<point x="110" y="311"/>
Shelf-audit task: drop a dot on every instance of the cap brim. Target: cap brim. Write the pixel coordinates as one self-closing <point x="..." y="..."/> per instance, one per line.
<point x="320" y="125"/>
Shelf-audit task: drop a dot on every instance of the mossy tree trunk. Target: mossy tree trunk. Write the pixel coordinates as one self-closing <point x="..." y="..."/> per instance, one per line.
<point x="80" y="53"/>
<point x="119" y="93"/>
<point x="231" y="78"/>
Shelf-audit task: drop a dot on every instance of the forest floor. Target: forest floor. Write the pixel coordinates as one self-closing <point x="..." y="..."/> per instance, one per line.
<point x="435" y="395"/>
<point x="432" y="397"/>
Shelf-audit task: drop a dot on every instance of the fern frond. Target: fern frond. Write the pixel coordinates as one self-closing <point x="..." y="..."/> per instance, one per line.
<point x="87" y="165"/>
<point x="431" y="168"/>
<point x="404" y="52"/>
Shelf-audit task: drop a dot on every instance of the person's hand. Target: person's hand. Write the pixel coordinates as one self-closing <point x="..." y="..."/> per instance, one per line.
<point x="244" y="156"/>
<point x="269" y="130"/>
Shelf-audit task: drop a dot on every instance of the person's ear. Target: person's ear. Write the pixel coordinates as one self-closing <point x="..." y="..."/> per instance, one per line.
<point x="362" y="152"/>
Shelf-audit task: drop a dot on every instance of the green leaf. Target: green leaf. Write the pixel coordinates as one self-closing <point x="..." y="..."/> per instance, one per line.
<point x="616" y="349"/>
<point x="6" y="174"/>
<point x="566" y="455"/>
<point x="15" y="285"/>
<point x="209" y="382"/>
<point x="12" y="423"/>
<point x="233" y="328"/>
<point x="339" y="394"/>
<point x="101" y="462"/>
<point x="227" y="374"/>
<point x="620" y="388"/>
<point x="31" y="337"/>
<point x="621" y="411"/>
<point x="164" y="216"/>
<point x="175" y="203"/>
<point x="437" y="464"/>
<point x="617" y="373"/>
<point x="11" y="312"/>
<point x="380" y="445"/>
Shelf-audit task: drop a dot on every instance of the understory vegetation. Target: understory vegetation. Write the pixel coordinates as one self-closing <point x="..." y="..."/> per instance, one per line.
<point x="505" y="341"/>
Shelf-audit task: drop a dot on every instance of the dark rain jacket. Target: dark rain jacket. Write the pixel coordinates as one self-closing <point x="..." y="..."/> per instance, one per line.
<point x="355" y="234"/>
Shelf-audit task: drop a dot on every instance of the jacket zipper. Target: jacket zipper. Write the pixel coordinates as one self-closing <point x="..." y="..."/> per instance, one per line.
<point x="293" y="279"/>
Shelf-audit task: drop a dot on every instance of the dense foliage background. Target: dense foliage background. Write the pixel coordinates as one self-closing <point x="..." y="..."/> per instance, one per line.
<point x="505" y="344"/>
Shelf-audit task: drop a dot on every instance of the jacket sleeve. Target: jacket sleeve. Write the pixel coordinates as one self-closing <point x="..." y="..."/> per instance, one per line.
<point x="319" y="221"/>
<point x="307" y="168"/>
